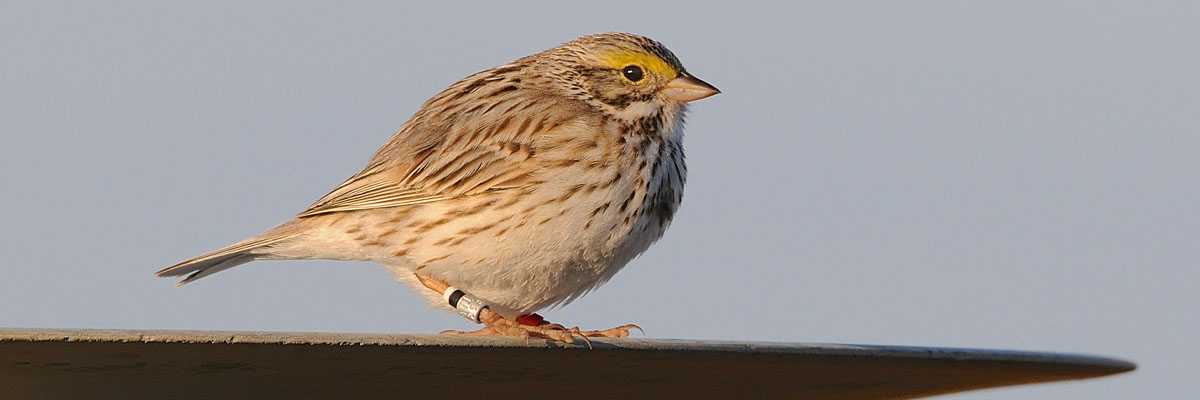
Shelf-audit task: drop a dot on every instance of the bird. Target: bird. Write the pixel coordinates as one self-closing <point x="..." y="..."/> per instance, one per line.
<point x="516" y="189"/>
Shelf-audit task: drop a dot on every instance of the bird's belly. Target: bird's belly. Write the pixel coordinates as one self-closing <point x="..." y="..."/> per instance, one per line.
<point x="522" y="254"/>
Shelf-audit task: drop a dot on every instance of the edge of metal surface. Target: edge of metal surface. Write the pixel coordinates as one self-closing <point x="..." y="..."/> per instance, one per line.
<point x="67" y="363"/>
<point x="598" y="344"/>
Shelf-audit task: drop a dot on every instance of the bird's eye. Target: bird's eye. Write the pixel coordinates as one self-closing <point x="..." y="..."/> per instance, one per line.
<point x="633" y="73"/>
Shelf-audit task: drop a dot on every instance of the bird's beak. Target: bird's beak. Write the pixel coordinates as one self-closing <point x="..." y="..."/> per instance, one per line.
<point x="687" y="88"/>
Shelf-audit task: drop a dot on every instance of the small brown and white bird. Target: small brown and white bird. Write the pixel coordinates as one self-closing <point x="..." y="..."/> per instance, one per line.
<point x="515" y="189"/>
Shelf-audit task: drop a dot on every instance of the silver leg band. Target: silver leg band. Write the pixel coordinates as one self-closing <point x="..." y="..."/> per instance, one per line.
<point x="467" y="306"/>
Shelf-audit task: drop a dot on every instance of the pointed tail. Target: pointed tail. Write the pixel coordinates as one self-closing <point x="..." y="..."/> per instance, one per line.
<point x="222" y="259"/>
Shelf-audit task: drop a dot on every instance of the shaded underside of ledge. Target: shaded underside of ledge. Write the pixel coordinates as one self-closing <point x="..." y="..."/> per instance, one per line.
<point x="50" y="364"/>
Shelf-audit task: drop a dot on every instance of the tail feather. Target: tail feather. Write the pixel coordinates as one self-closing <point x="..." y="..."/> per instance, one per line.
<point x="221" y="260"/>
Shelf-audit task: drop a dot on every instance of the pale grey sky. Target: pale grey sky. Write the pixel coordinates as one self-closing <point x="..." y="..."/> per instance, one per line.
<point x="1014" y="175"/>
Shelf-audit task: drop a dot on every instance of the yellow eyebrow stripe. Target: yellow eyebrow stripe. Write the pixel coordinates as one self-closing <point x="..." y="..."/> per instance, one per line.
<point x="620" y="58"/>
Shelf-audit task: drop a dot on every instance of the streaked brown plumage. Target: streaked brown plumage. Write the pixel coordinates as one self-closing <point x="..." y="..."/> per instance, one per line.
<point x="526" y="185"/>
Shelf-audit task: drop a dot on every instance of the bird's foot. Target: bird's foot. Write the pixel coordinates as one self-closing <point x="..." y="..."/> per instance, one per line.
<point x="525" y="326"/>
<point x="532" y="325"/>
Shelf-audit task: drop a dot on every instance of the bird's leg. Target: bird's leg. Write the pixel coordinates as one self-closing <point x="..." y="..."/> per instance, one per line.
<point x="527" y="325"/>
<point x="433" y="284"/>
<point x="497" y="324"/>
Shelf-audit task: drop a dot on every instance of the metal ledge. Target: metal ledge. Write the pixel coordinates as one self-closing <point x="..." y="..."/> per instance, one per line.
<point x="76" y="364"/>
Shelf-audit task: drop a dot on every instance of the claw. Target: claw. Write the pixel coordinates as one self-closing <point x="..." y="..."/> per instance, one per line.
<point x="497" y="325"/>
<point x="527" y="325"/>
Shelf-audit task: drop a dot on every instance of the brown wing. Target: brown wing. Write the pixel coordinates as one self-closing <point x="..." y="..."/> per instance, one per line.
<point x="446" y="151"/>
